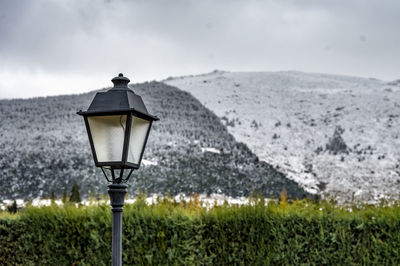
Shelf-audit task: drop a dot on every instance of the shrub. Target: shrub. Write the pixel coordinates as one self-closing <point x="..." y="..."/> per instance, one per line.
<point x="168" y="232"/>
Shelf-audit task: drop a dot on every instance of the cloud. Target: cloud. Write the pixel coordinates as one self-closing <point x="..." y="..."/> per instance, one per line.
<point x="155" y="39"/>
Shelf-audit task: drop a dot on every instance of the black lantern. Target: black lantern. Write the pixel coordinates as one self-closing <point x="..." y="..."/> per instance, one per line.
<point x="118" y="125"/>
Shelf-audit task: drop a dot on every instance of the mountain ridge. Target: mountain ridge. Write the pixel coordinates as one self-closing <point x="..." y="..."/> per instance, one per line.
<point x="335" y="135"/>
<point x="44" y="149"/>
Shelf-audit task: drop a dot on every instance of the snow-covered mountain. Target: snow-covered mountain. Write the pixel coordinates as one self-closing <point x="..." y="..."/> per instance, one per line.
<point x="334" y="135"/>
<point x="44" y="149"/>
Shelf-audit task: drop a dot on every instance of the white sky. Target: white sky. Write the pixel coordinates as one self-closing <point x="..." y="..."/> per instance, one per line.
<point x="50" y="47"/>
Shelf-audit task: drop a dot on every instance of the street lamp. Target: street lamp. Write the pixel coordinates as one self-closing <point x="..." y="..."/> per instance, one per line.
<point x="118" y="125"/>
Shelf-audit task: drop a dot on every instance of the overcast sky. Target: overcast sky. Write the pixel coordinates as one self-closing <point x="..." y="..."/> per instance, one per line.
<point x="50" y="47"/>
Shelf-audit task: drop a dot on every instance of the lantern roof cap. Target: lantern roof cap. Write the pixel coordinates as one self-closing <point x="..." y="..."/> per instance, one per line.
<point x="120" y="82"/>
<point x="118" y="100"/>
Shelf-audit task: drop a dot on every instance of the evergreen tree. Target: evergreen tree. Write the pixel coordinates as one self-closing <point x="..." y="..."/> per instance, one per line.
<point x="64" y="196"/>
<point x="75" y="196"/>
<point x="13" y="208"/>
<point x="52" y="198"/>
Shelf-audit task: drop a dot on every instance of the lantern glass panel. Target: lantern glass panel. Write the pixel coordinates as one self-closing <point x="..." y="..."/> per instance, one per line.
<point x="139" y="130"/>
<point x="108" y="136"/>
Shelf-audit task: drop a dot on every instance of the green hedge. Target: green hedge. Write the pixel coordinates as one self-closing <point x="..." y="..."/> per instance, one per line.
<point x="187" y="234"/>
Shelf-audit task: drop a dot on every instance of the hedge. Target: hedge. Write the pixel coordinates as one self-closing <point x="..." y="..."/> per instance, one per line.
<point x="170" y="233"/>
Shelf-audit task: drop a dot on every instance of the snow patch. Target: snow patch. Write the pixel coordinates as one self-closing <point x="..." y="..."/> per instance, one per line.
<point x="148" y="162"/>
<point x="212" y="150"/>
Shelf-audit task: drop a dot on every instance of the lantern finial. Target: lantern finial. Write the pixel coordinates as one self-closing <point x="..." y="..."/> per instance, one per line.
<point x="120" y="81"/>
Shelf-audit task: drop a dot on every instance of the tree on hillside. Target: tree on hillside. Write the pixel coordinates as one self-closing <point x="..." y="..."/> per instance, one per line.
<point x="336" y="144"/>
<point x="13" y="208"/>
<point x="64" y="196"/>
<point x="75" y="196"/>
<point x="52" y="198"/>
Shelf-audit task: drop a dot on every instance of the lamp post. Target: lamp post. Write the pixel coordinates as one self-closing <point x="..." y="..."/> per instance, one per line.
<point x="118" y="125"/>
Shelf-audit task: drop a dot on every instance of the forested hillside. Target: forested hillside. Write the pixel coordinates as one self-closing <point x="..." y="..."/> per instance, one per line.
<point x="44" y="149"/>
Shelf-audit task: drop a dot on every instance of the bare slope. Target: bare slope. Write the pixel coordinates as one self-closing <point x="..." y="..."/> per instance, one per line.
<point x="44" y="148"/>
<point x="334" y="135"/>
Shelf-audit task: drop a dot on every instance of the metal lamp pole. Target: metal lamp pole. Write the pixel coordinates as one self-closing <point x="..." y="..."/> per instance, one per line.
<point x="117" y="194"/>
